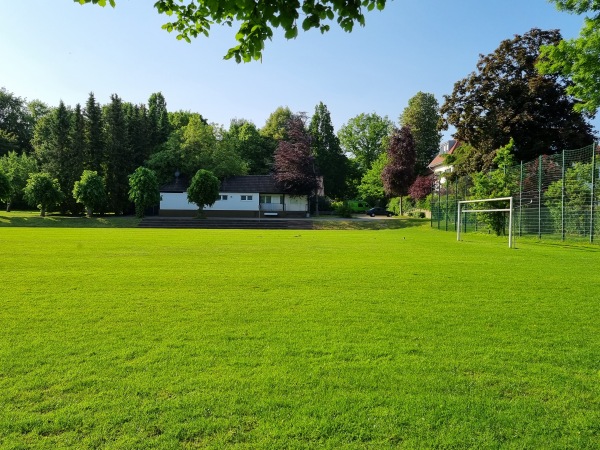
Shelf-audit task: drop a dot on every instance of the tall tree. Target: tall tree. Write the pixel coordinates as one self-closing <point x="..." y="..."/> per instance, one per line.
<point x="54" y="150"/>
<point x="117" y="155"/>
<point x="138" y="126"/>
<point x="331" y="161"/>
<point x="15" y="123"/>
<point x="578" y="59"/>
<point x="507" y="98"/>
<point x="422" y="116"/>
<point x="158" y="118"/>
<point x="277" y="123"/>
<point x="365" y="137"/>
<point x="399" y="172"/>
<point x="294" y="163"/>
<point x="94" y="137"/>
<point x="257" y="19"/>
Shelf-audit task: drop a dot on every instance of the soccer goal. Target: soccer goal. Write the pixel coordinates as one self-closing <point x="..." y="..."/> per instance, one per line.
<point x="465" y="209"/>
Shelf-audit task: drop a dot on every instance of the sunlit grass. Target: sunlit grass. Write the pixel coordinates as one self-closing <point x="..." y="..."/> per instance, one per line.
<point x="133" y="338"/>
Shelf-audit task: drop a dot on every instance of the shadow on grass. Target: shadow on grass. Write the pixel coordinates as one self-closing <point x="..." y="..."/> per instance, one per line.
<point x="369" y="224"/>
<point x="34" y="220"/>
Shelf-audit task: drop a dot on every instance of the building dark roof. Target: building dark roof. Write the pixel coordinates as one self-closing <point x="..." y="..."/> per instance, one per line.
<point x="263" y="184"/>
<point x="179" y="184"/>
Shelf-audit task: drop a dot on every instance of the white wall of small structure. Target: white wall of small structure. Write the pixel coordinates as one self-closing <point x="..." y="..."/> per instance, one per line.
<point x="177" y="201"/>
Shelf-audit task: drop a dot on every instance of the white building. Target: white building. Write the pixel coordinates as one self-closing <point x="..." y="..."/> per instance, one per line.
<point x="241" y="196"/>
<point x="439" y="165"/>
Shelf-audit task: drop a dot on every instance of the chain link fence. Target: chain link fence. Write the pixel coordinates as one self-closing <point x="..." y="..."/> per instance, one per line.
<point x="555" y="196"/>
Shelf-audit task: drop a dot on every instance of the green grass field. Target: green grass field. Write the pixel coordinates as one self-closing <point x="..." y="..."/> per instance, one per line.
<point x="400" y="338"/>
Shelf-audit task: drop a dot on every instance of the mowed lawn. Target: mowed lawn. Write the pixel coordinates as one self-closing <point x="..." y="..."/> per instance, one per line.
<point x="136" y="338"/>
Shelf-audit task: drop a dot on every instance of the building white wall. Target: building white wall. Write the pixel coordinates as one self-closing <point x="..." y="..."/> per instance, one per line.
<point x="296" y="203"/>
<point x="177" y="201"/>
<point x="234" y="202"/>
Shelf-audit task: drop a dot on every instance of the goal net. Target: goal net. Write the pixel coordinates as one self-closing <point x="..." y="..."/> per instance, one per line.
<point x="466" y="206"/>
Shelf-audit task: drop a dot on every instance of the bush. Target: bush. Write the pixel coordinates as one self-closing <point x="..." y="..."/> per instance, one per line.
<point x="342" y="209"/>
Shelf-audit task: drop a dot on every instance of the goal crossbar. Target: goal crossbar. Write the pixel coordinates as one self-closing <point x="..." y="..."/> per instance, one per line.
<point x="509" y="210"/>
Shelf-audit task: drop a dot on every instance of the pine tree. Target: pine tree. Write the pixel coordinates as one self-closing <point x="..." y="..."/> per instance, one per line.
<point x="118" y="156"/>
<point x="331" y="162"/>
<point x="53" y="148"/>
<point x="158" y="118"/>
<point x="94" y="139"/>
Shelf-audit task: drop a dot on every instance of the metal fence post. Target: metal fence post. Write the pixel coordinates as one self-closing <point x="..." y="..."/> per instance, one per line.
<point x="540" y="198"/>
<point x="447" y="184"/>
<point x="562" y="204"/>
<point x="521" y="199"/>
<point x="457" y="221"/>
<point x="593" y="196"/>
<point x="439" y="203"/>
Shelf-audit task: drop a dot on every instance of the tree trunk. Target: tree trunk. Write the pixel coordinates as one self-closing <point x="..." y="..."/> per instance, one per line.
<point x="89" y="212"/>
<point x="8" y="206"/>
<point x="43" y="211"/>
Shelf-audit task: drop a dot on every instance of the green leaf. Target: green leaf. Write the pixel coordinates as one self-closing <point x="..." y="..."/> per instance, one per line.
<point x="292" y="33"/>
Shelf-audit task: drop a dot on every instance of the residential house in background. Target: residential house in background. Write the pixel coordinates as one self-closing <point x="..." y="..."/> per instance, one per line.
<point x="438" y="166"/>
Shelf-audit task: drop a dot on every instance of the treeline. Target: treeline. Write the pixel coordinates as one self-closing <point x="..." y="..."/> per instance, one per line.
<point x="370" y="158"/>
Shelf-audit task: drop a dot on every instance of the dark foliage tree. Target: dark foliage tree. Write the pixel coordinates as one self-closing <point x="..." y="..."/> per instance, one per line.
<point x="399" y="172"/>
<point x="117" y="165"/>
<point x="331" y="161"/>
<point x="422" y="116"/>
<point x="294" y="163"/>
<point x="94" y="138"/>
<point x="257" y="19"/>
<point x="506" y="97"/>
<point x="421" y="187"/>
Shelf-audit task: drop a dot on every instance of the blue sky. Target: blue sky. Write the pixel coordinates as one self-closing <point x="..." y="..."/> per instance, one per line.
<point x="56" y="49"/>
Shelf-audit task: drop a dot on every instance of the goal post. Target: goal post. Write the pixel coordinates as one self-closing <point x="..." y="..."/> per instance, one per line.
<point x="462" y="210"/>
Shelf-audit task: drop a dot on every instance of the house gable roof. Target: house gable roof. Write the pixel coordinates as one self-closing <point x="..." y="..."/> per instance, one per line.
<point x="263" y="184"/>
<point x="439" y="159"/>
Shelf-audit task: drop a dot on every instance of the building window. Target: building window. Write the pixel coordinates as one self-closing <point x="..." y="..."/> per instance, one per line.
<point x="265" y="199"/>
<point x="222" y="197"/>
<point x="246" y="197"/>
